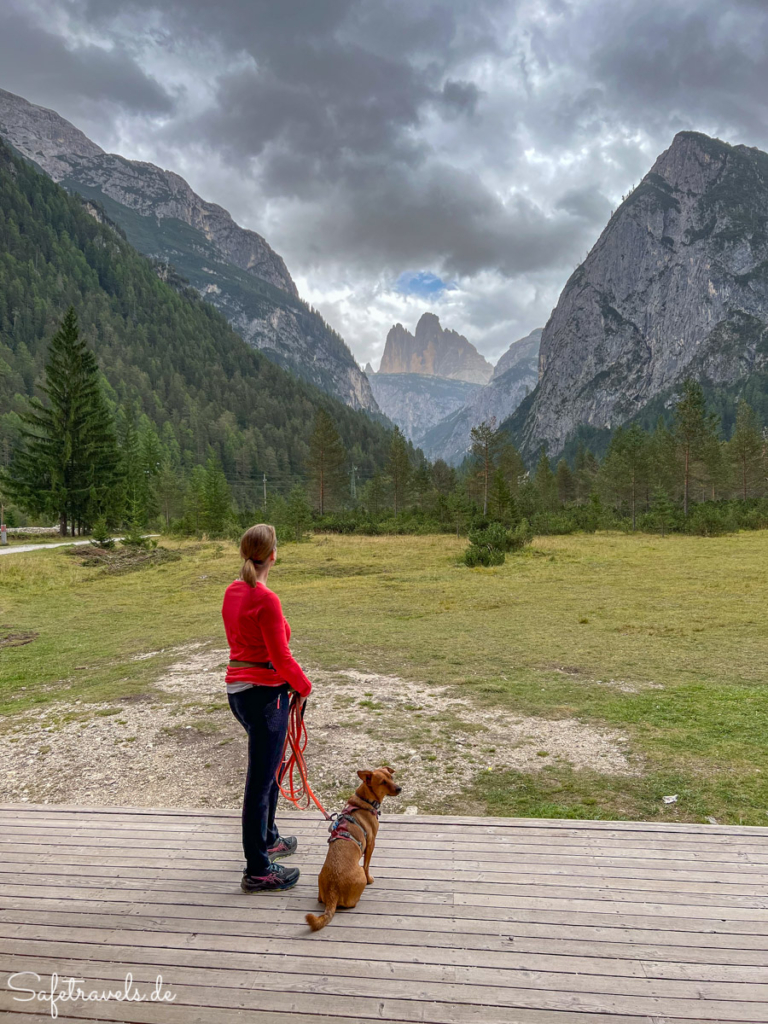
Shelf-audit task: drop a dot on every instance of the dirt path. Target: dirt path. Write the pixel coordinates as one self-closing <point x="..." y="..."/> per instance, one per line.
<point x="181" y="747"/>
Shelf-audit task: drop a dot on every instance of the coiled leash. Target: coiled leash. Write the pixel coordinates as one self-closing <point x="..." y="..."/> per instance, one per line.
<point x="299" y="792"/>
<point x="292" y="774"/>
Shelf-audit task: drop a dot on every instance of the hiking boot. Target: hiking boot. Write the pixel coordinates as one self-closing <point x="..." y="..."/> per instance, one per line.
<point x="284" y="847"/>
<point x="277" y="879"/>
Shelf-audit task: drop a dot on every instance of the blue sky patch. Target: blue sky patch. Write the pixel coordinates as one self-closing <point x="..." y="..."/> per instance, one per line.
<point x="423" y="283"/>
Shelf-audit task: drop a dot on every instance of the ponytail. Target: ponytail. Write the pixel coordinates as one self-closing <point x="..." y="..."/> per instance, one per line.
<point x="248" y="572"/>
<point x="256" y="545"/>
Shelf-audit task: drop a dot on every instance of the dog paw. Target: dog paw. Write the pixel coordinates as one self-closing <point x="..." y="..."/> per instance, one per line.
<point x="369" y="879"/>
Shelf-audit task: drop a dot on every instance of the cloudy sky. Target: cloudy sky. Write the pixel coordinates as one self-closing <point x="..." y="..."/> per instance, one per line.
<point x="456" y="155"/>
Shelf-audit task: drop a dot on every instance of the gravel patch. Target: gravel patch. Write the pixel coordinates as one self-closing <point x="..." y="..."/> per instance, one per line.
<point x="180" y="746"/>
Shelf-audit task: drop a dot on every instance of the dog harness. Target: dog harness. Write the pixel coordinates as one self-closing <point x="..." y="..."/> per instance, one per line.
<point x="341" y="821"/>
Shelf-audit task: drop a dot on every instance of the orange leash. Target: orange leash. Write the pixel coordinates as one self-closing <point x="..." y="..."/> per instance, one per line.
<point x="292" y="773"/>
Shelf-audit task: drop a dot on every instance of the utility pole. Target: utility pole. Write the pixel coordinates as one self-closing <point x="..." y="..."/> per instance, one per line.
<point x="352" y="487"/>
<point x="264" y="481"/>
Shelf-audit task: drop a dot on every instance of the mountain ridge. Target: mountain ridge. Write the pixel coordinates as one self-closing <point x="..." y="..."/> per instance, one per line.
<point x="433" y="350"/>
<point x="675" y="286"/>
<point x="234" y="268"/>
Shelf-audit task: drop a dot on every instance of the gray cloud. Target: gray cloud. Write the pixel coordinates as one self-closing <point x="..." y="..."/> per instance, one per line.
<point x="36" y="61"/>
<point x="482" y="142"/>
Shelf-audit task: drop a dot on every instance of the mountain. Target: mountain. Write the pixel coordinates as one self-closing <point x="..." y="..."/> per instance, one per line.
<point x="169" y="359"/>
<point x="676" y="286"/>
<point x="523" y="351"/>
<point x="434" y="351"/>
<point x="449" y="439"/>
<point x="416" y="401"/>
<point x="233" y="268"/>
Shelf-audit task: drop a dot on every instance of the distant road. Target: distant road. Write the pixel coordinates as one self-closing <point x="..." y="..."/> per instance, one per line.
<point x="18" y="549"/>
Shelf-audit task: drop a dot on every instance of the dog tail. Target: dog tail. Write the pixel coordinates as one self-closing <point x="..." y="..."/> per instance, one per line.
<point x="316" y="922"/>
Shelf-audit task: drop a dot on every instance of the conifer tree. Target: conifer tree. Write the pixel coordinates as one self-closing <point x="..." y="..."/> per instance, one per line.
<point x="746" y="446"/>
<point x="68" y="462"/>
<point x="217" y="499"/>
<point x="298" y="512"/>
<point x="326" y="461"/>
<point x="625" y="468"/>
<point x="399" y="467"/>
<point x="545" y="483"/>
<point x="693" y="428"/>
<point x="566" y="485"/>
<point x="486" y="443"/>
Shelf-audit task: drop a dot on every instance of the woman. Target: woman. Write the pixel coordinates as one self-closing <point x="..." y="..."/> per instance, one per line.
<point x="260" y="677"/>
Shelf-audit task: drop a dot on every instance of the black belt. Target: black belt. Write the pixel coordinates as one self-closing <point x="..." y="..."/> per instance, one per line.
<point x="252" y="664"/>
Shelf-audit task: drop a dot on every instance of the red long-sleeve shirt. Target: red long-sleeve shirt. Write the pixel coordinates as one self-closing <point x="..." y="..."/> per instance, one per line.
<point x="257" y="630"/>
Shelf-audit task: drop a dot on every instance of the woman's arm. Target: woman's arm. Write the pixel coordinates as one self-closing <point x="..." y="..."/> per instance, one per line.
<point x="272" y="623"/>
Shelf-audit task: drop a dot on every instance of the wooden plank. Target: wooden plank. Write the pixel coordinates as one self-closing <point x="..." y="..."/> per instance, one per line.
<point x="461" y="984"/>
<point x="447" y="1003"/>
<point x="478" y="917"/>
<point x="735" y="884"/>
<point x="467" y="893"/>
<point x="413" y="826"/>
<point x="304" y="952"/>
<point x="322" y="1010"/>
<point x="492" y="867"/>
<point x="458" y="821"/>
<point x="570" y="852"/>
<point x="261" y="920"/>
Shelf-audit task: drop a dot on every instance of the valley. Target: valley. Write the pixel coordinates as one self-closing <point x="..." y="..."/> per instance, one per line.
<point x="605" y="672"/>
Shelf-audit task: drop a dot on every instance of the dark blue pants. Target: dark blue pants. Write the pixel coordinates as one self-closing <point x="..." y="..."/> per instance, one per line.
<point x="263" y="713"/>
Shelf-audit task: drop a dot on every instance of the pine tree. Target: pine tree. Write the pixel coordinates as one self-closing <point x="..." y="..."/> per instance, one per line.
<point x="486" y="443"/>
<point x="459" y="508"/>
<point x="501" y="500"/>
<point x="566" y="485"/>
<point x="662" y="510"/>
<point x="511" y="464"/>
<point x="374" y="495"/>
<point x="399" y="467"/>
<point x="326" y="461"/>
<point x="586" y="468"/>
<point x="68" y="463"/>
<point x="194" y="501"/>
<point x="625" y="468"/>
<point x="546" y="485"/>
<point x="298" y="512"/>
<point x="217" y="499"/>
<point x="693" y="428"/>
<point x="746" y="446"/>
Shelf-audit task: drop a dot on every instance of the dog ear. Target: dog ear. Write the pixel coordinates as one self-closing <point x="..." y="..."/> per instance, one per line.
<point x="386" y="768"/>
<point x="365" y="776"/>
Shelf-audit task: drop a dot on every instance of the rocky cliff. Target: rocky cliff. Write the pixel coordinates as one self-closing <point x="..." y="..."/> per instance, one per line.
<point x="435" y="351"/>
<point x="449" y="439"/>
<point x="417" y="401"/>
<point x="676" y="286"/>
<point x="523" y="352"/>
<point x="234" y="268"/>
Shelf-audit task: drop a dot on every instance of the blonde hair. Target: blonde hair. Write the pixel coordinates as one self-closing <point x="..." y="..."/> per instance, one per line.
<point x="256" y="545"/>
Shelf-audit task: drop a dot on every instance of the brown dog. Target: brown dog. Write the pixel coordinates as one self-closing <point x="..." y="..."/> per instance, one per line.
<point x="342" y="879"/>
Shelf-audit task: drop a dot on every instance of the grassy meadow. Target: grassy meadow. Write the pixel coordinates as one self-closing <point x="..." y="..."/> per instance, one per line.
<point x="665" y="639"/>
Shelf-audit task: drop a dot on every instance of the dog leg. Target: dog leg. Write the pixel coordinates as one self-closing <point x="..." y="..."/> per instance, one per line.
<point x="367" y="861"/>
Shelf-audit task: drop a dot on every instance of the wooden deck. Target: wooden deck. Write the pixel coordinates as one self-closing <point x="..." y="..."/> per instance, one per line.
<point x="499" y="921"/>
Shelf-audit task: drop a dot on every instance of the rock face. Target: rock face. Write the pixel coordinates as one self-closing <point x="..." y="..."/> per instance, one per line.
<point x="434" y="351"/>
<point x="417" y="401"/>
<point x="234" y="268"/>
<point x="450" y="440"/>
<point x="676" y="286"/>
<point x="524" y="352"/>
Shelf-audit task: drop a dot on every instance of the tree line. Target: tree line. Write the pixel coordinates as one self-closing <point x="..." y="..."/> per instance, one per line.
<point x="93" y="465"/>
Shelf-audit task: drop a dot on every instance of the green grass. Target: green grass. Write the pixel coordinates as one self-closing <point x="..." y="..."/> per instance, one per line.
<point x="557" y="631"/>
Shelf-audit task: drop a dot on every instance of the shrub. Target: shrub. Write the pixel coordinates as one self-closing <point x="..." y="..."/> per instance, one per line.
<point x="100" y="535"/>
<point x="489" y="545"/>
